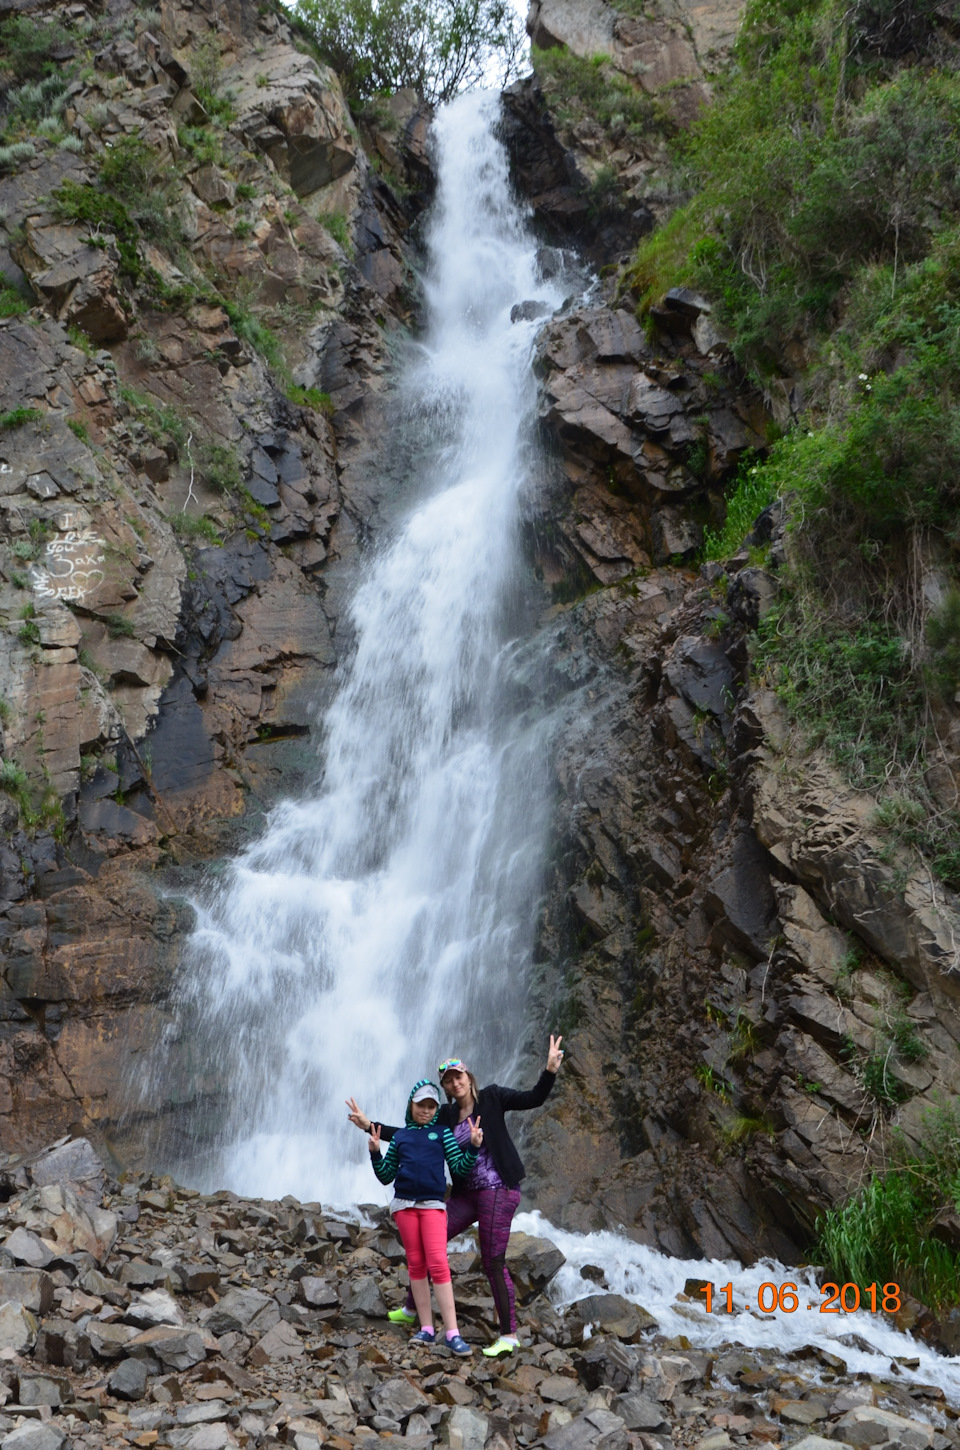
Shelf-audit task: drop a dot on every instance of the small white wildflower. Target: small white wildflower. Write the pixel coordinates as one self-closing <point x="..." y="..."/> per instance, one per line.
<point x="868" y="388"/>
<point x="810" y="435"/>
<point x="863" y="377"/>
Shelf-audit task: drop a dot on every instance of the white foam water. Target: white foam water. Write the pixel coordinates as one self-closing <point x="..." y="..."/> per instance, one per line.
<point x="386" y="921"/>
<point x="647" y="1277"/>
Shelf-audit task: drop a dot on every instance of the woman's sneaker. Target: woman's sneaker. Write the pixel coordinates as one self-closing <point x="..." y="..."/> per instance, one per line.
<point x="458" y="1345"/>
<point x="402" y="1316"/>
<point x="424" y="1336"/>
<point x="506" y="1344"/>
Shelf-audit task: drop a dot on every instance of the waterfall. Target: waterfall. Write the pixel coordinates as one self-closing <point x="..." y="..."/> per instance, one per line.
<point x="386" y="921"/>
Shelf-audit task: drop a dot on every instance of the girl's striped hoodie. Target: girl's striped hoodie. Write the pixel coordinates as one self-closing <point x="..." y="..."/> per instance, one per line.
<point x="414" y="1160"/>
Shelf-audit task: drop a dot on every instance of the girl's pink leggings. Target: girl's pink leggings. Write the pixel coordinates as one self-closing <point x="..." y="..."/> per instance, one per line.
<point x="423" y="1232"/>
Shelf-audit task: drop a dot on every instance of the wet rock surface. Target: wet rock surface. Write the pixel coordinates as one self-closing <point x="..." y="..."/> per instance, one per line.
<point x="248" y="1355"/>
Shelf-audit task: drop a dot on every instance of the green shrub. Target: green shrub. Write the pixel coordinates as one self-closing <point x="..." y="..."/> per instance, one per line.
<point x="803" y="186"/>
<point x="81" y="203"/>
<point x="220" y="467"/>
<point x="79" y="429"/>
<point x="13" y="303"/>
<point x="884" y="1233"/>
<point x="13" y="778"/>
<point x="17" y="417"/>
<point x="580" y="89"/>
<point x="195" y="529"/>
<point x="119" y="626"/>
<point x="253" y="331"/>
<point x="752" y="493"/>
<point x="138" y="178"/>
<point x="26" y="45"/>
<point x="19" y="151"/>
<point x="338" y="226"/>
<point x="310" y="398"/>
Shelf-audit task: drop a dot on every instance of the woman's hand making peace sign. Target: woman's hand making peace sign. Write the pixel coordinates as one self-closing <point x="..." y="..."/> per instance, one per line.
<point x="555" y="1055"/>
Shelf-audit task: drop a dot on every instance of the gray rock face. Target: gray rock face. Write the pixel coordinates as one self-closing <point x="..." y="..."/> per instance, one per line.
<point x="363" y="1296"/>
<point x="26" y="1248"/>
<point x="176" y="1349"/>
<point x="42" y="1389"/>
<point x="398" y="1399"/>
<point x="33" y="1436"/>
<point x="242" y="1309"/>
<point x="30" y="1287"/>
<point x="464" y="1429"/>
<point x="533" y="1263"/>
<point x="129" y="1380"/>
<point x="18" y="1328"/>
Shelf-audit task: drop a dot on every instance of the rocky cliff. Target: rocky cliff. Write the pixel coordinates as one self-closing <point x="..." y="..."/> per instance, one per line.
<point x="755" y="991"/>
<point x="202" y="269"/>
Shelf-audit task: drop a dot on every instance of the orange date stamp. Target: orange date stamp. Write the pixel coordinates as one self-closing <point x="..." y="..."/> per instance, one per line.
<point x="835" y="1298"/>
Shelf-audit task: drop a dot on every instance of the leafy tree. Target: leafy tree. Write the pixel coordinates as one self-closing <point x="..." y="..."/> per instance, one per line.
<point x="437" y="47"/>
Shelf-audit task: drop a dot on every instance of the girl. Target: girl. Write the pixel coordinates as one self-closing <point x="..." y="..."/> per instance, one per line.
<point x="415" y="1160"/>
<point x="489" y="1192"/>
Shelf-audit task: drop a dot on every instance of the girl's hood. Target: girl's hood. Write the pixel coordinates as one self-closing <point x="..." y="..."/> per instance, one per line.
<point x="424" y="1082"/>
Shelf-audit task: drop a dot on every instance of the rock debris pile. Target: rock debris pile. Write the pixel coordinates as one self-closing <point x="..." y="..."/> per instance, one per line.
<point x="148" y="1314"/>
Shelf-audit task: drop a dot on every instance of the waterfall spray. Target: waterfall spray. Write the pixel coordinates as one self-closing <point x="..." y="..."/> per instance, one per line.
<point x="386" y="920"/>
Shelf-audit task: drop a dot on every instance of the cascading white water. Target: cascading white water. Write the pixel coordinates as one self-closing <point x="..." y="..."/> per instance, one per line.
<point x="386" y="921"/>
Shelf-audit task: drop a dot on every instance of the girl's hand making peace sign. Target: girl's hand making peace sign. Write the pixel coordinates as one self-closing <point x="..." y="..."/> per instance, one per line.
<point x="476" y="1132"/>
<point x="373" y="1141"/>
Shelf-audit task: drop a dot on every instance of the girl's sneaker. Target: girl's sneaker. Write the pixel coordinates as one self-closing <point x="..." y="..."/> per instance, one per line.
<point x="506" y="1344"/>
<point x="402" y="1316"/>
<point x="424" y="1336"/>
<point x="457" y="1345"/>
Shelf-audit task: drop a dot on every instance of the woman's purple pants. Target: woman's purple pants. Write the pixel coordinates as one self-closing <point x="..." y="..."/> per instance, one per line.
<point x="492" y="1210"/>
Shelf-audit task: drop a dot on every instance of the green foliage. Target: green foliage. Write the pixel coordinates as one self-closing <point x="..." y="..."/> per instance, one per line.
<point x="853" y="689"/>
<point x="207" y="66"/>
<point x="26" y="46"/>
<point x="885" y="1232"/>
<point x="246" y="191"/>
<point x="742" y="1127"/>
<point x="77" y="203"/>
<point x="135" y="175"/>
<point x="79" y="430"/>
<point x="580" y="89"/>
<point x="816" y="161"/>
<point x="17" y="417"/>
<point x="220" y="467"/>
<point x="13" y="303"/>
<point x="338" y="226"/>
<point x="81" y="339"/>
<point x="195" y="529"/>
<point x="11" y="156"/>
<point x="310" y="398"/>
<point x="13" y="778"/>
<point x="119" y="626"/>
<point x="439" y="47"/>
<point x="753" y="492"/>
<point x="162" y="422"/>
<point x="202" y="143"/>
<point x="253" y="331"/>
<point x="943" y="641"/>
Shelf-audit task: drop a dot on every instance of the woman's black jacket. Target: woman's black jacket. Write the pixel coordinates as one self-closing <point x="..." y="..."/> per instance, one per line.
<point x="493" y="1102"/>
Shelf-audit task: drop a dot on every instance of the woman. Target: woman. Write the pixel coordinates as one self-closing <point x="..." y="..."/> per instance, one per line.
<point x="489" y="1195"/>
